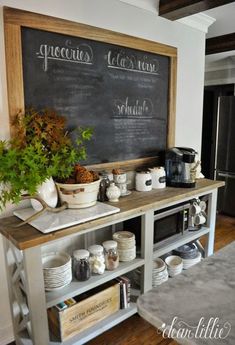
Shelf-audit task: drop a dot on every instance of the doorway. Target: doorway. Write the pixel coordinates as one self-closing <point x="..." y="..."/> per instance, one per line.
<point x="210" y="108"/>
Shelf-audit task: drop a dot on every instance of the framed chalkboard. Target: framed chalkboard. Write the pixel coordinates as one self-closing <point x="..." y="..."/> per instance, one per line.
<point x="122" y="86"/>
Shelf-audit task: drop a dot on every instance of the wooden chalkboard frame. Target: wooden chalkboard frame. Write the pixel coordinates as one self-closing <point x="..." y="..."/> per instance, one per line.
<point x="14" y="19"/>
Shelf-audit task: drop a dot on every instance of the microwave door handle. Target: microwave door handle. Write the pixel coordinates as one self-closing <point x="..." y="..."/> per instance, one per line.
<point x="183" y="225"/>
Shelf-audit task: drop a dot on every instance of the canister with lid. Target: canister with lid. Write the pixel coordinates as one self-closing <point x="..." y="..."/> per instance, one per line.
<point x="158" y="177"/>
<point x="143" y="181"/>
<point x="81" y="265"/>
<point x="111" y="255"/>
<point x="97" y="260"/>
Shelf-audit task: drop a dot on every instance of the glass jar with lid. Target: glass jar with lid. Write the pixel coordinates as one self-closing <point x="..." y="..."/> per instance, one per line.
<point x="111" y="255"/>
<point x="104" y="184"/>
<point x="97" y="261"/>
<point x="81" y="264"/>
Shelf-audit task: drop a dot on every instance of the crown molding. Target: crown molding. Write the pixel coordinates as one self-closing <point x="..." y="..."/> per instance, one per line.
<point x="199" y="21"/>
<point x="148" y="5"/>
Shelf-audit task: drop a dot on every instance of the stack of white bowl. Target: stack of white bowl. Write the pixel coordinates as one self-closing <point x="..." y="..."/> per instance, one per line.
<point x="160" y="274"/>
<point x="125" y="245"/>
<point x="57" y="270"/>
<point x="174" y="265"/>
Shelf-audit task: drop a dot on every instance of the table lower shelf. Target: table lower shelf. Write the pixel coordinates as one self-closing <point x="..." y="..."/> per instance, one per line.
<point x="91" y="332"/>
<point x="76" y="288"/>
<point x="178" y="240"/>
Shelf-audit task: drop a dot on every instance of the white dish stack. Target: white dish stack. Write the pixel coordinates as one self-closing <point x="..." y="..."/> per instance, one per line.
<point x="174" y="265"/>
<point x="125" y="245"/>
<point x="187" y="263"/>
<point x="57" y="270"/>
<point x="160" y="273"/>
<point x="190" y="255"/>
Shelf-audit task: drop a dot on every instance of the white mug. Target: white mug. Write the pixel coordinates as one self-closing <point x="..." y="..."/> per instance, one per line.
<point x="195" y="209"/>
<point x="122" y="187"/>
<point x="199" y="219"/>
<point x="119" y="178"/>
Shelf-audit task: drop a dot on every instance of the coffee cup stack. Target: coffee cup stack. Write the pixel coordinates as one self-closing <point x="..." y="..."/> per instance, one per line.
<point x="121" y="181"/>
<point x="197" y="211"/>
<point x="125" y="245"/>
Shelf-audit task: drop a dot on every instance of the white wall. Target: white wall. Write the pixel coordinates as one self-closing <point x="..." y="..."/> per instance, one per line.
<point x="121" y="17"/>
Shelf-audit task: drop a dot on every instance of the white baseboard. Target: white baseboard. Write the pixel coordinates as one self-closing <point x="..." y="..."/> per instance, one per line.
<point x="6" y="335"/>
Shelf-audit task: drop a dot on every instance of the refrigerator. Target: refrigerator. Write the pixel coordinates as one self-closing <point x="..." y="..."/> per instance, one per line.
<point x="225" y="154"/>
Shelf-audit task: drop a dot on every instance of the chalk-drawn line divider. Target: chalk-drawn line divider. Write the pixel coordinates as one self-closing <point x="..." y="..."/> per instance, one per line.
<point x="133" y="70"/>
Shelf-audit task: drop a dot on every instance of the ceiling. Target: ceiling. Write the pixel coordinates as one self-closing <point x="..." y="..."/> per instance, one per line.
<point x="224" y="24"/>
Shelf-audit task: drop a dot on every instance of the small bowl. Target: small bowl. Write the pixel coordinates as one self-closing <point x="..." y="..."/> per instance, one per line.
<point x="173" y="261"/>
<point x="158" y="265"/>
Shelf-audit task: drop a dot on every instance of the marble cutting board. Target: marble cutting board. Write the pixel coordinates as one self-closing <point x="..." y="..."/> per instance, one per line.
<point x="49" y="222"/>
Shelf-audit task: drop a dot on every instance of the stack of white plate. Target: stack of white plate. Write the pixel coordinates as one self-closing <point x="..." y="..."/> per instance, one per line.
<point x="160" y="274"/>
<point x="57" y="270"/>
<point x="174" y="265"/>
<point x="125" y="245"/>
<point x="187" y="263"/>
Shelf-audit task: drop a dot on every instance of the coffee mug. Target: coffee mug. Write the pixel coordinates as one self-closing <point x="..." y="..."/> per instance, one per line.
<point x="123" y="188"/>
<point x="119" y="178"/>
<point x="199" y="219"/>
<point x="195" y="209"/>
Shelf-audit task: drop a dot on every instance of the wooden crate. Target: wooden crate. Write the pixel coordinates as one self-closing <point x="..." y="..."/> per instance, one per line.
<point x="84" y="314"/>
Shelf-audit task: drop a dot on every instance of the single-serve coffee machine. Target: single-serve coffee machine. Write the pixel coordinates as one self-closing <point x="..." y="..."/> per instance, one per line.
<point x="180" y="167"/>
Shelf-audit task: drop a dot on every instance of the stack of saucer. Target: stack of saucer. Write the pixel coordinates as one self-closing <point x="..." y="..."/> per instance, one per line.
<point x="174" y="265"/>
<point x="57" y="270"/>
<point x="125" y="245"/>
<point x="187" y="263"/>
<point x="189" y="254"/>
<point x="160" y="274"/>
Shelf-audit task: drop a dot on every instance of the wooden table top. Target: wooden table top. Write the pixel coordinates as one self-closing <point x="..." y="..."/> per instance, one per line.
<point x="135" y="204"/>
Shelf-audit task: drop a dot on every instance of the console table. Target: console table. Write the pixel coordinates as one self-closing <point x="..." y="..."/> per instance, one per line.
<point x="23" y="248"/>
<point x="200" y="300"/>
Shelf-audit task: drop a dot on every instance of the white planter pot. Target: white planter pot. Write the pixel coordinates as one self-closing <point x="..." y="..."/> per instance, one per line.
<point x="48" y="192"/>
<point x="79" y="195"/>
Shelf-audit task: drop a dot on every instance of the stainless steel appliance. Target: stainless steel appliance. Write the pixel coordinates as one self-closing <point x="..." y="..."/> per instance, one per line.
<point x="179" y="165"/>
<point x="225" y="154"/>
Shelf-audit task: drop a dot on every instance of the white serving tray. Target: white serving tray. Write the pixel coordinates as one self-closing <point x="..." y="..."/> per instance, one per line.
<point x="49" y="222"/>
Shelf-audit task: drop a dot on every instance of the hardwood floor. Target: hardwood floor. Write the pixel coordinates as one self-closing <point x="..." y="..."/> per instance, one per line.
<point x="135" y="330"/>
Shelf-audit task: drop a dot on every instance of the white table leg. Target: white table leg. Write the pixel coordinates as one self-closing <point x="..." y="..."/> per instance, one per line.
<point x="36" y="295"/>
<point x="212" y="202"/>
<point x="14" y="316"/>
<point x="147" y="224"/>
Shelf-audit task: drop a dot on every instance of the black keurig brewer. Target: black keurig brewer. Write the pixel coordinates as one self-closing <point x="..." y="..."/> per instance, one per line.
<point x="179" y="164"/>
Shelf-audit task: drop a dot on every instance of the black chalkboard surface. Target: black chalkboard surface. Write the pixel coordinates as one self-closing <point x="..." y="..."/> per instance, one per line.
<point x="121" y="92"/>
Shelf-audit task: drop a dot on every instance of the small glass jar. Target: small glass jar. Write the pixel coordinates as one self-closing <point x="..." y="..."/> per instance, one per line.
<point x="97" y="261"/>
<point x="104" y="184"/>
<point x="111" y="255"/>
<point x="81" y="264"/>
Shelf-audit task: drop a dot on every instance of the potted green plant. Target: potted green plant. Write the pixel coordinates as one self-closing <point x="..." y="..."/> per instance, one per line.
<point x="41" y="148"/>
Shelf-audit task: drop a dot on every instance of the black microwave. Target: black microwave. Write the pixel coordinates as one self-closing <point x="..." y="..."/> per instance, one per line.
<point x="168" y="222"/>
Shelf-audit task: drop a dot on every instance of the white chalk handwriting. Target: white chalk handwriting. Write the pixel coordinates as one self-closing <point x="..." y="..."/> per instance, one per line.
<point x="121" y="60"/>
<point x="79" y="54"/>
<point x="136" y="107"/>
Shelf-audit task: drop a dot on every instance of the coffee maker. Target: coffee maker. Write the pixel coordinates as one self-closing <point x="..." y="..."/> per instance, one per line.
<point x="179" y="165"/>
